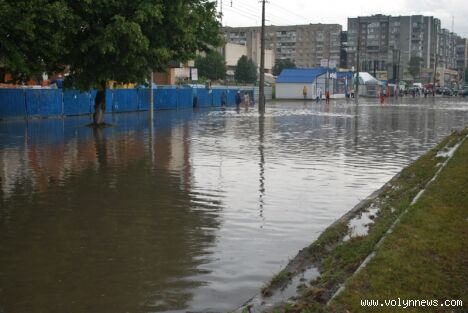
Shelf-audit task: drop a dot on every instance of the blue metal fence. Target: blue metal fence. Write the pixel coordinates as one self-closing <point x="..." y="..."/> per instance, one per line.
<point x="232" y="97"/>
<point x="12" y="103"/>
<point x="185" y="98"/>
<point x="56" y="102"/>
<point x="78" y="103"/>
<point x="165" y="99"/>
<point x="124" y="100"/>
<point x="43" y="102"/>
<point x="204" y="97"/>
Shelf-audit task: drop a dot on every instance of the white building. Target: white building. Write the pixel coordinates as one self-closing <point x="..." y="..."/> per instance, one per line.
<point x="291" y="82"/>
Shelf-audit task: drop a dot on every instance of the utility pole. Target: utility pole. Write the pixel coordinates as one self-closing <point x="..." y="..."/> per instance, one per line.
<point x="151" y="95"/>
<point x="435" y="72"/>
<point x="398" y="72"/>
<point x="221" y="11"/>
<point x="261" y="96"/>
<point x="356" y="91"/>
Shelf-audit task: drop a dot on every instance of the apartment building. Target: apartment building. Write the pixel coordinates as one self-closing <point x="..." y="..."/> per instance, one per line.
<point x="305" y="45"/>
<point x="462" y="53"/>
<point x="447" y="49"/>
<point x="387" y="43"/>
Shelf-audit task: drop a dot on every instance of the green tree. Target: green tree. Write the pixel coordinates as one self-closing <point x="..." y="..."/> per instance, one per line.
<point x="246" y="71"/>
<point x="31" y="40"/>
<point x="281" y="64"/>
<point x="414" y="66"/>
<point x="103" y="40"/>
<point x="211" y="66"/>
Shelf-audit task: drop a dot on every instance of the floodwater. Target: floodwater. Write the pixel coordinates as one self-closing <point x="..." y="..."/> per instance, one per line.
<point x="197" y="211"/>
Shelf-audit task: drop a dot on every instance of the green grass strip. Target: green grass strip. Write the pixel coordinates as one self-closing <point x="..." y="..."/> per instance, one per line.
<point x="425" y="257"/>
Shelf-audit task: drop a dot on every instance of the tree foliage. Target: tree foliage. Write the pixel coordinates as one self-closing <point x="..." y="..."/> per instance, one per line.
<point x="103" y="40"/>
<point x="211" y="66"/>
<point x="246" y="71"/>
<point x="30" y="41"/>
<point x="281" y="64"/>
<point x="414" y="66"/>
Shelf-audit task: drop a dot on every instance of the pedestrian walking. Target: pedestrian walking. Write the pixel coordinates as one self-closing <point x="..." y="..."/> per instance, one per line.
<point x="327" y="96"/>
<point x="319" y="95"/>
<point x="382" y="97"/>
<point x="238" y="98"/>
<point x="304" y="92"/>
<point x="223" y="99"/>
<point x="246" y="99"/>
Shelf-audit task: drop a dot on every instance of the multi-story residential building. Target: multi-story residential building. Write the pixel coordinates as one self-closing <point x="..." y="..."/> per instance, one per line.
<point x="387" y="43"/>
<point x="447" y="49"/>
<point x="462" y="53"/>
<point x="343" y="49"/>
<point x="305" y="45"/>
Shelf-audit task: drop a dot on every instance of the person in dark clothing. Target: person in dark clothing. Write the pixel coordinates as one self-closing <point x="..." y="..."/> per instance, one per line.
<point x="238" y="98"/>
<point x="223" y="99"/>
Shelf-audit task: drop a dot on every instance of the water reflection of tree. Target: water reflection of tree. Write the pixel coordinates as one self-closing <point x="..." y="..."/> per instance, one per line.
<point x="130" y="240"/>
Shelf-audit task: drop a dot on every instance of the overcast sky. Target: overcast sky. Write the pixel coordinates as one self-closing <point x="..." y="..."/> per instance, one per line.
<point x="290" y="12"/>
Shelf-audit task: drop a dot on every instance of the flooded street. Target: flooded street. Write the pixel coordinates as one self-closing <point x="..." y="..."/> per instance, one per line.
<point x="197" y="211"/>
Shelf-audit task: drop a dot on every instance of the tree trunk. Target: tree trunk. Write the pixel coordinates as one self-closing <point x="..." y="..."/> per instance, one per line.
<point x="100" y="106"/>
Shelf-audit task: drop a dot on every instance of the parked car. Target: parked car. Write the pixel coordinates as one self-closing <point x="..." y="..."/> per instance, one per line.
<point x="463" y="92"/>
<point x="447" y="92"/>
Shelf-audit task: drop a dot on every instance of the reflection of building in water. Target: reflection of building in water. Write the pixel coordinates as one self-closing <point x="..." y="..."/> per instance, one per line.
<point x="180" y="154"/>
<point x="13" y="166"/>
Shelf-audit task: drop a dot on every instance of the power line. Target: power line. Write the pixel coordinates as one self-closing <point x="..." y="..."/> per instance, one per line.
<point x="248" y="8"/>
<point x="242" y="13"/>
<point x="248" y="11"/>
<point x="270" y="17"/>
<point x="291" y="12"/>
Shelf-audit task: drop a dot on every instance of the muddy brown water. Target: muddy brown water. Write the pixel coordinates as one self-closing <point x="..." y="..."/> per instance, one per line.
<point x="197" y="211"/>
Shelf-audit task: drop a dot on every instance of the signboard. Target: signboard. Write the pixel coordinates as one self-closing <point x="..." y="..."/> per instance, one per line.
<point x="333" y="75"/>
<point x="191" y="63"/>
<point x="328" y="63"/>
<point x="194" y="73"/>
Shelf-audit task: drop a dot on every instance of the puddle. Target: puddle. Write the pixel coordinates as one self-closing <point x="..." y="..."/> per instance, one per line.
<point x="359" y="226"/>
<point x="260" y="304"/>
<point x="447" y="153"/>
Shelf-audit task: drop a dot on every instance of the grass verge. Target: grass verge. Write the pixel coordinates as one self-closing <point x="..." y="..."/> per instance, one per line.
<point x="337" y="259"/>
<point x="426" y="256"/>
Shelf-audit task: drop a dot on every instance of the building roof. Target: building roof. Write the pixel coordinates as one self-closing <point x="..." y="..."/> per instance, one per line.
<point x="368" y="79"/>
<point x="300" y="75"/>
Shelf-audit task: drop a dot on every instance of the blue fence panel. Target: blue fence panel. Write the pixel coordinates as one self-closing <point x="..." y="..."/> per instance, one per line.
<point x="252" y="93"/>
<point x="144" y="98"/>
<point x="109" y="99"/>
<point x="12" y="103"/>
<point x="124" y="100"/>
<point x="185" y="98"/>
<point x="204" y="97"/>
<point x="166" y="99"/>
<point x="43" y="102"/>
<point x="77" y="103"/>
<point x="232" y="96"/>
